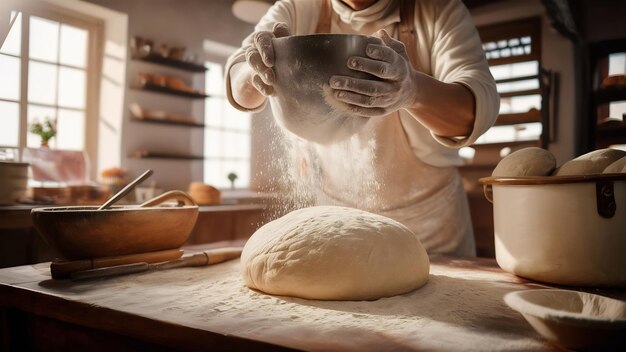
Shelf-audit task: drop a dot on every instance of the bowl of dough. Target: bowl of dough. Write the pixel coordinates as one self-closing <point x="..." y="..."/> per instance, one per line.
<point x="576" y="320"/>
<point x="304" y="65"/>
<point x="561" y="225"/>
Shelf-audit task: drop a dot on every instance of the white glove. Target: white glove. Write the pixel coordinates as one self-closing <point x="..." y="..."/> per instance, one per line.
<point x="371" y="98"/>
<point x="260" y="56"/>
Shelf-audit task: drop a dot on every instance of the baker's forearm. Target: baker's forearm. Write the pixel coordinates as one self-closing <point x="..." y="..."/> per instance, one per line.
<point x="243" y="92"/>
<point x="447" y="109"/>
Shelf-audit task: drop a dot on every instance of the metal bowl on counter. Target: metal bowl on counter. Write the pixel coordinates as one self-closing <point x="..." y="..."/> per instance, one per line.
<point x="85" y="232"/>
<point x="304" y="65"/>
<point x="567" y="230"/>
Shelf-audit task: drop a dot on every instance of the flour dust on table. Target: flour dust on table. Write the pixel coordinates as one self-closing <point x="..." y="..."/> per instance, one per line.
<point x="334" y="253"/>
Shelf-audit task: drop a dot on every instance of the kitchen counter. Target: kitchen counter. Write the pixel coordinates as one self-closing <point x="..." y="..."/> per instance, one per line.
<point x="20" y="244"/>
<point x="461" y="307"/>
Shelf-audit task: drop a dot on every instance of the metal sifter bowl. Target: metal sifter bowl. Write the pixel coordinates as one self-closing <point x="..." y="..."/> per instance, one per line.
<point x="304" y="65"/>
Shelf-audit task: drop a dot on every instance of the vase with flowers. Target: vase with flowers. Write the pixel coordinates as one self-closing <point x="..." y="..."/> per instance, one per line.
<point x="46" y="130"/>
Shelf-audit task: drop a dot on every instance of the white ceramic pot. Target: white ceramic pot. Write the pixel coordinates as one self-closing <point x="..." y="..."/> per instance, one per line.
<point x="13" y="181"/>
<point x="568" y="230"/>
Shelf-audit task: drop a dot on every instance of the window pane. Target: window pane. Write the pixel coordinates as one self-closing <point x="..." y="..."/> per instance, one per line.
<point x="214" y="173"/>
<point x="520" y="104"/>
<point x="213" y="111"/>
<point x="73" y="49"/>
<point x="38" y="114"/>
<point x="44" y="39"/>
<point x="214" y="79"/>
<point x="520" y="69"/>
<point x="71" y="130"/>
<point x="212" y="143"/>
<point x="502" y="134"/>
<point x="12" y="44"/>
<point x="9" y="77"/>
<point x="518" y="86"/>
<point x="42" y="83"/>
<point x="236" y="145"/>
<point x="71" y="87"/>
<point x="235" y="119"/>
<point x="617" y="110"/>
<point x="242" y="169"/>
<point x="10" y="122"/>
<point x="617" y="64"/>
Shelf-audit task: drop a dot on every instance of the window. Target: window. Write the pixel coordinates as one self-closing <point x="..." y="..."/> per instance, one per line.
<point x="513" y="51"/>
<point x="46" y="70"/>
<point x="226" y="136"/>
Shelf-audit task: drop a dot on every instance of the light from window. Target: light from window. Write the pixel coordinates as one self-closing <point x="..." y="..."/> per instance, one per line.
<point x="56" y="85"/>
<point x="617" y="110"/>
<point x="226" y="136"/>
<point x="617" y="64"/>
<point x="514" y="133"/>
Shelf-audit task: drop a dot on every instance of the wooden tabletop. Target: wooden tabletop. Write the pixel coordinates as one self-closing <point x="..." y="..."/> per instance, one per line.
<point x="461" y="307"/>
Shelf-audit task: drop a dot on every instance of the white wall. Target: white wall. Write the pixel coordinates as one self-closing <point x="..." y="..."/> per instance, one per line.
<point x="557" y="54"/>
<point x="176" y="23"/>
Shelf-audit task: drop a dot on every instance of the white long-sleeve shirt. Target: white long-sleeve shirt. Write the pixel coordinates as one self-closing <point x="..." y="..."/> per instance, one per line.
<point x="448" y="48"/>
<point x="395" y="166"/>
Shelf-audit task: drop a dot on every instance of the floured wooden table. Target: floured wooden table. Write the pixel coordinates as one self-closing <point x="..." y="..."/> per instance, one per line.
<point x="461" y="308"/>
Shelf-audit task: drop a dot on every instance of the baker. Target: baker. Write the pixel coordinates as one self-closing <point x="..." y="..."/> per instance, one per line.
<point x="434" y="95"/>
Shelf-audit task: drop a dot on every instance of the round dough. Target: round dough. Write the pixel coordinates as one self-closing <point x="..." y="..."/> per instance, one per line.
<point x="530" y="161"/>
<point x="591" y="163"/>
<point x="334" y="253"/>
<point x="617" y="167"/>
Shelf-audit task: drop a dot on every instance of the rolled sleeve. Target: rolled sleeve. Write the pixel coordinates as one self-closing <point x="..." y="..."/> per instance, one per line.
<point x="458" y="57"/>
<point x="282" y="11"/>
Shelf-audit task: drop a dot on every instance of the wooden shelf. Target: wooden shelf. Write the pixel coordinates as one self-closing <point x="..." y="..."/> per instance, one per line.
<point x="166" y="61"/>
<point x="533" y="115"/>
<point x="166" y="122"/>
<point x="166" y="90"/>
<point x="520" y="93"/>
<point x="144" y="154"/>
<point x="609" y="94"/>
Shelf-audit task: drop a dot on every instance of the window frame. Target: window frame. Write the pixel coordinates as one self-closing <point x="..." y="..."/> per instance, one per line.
<point x="531" y="26"/>
<point x="93" y="69"/>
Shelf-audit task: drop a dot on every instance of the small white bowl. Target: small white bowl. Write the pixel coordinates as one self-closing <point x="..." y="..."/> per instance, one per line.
<point x="576" y="320"/>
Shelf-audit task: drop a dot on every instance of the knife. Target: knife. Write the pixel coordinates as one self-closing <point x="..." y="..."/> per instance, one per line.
<point x="208" y="257"/>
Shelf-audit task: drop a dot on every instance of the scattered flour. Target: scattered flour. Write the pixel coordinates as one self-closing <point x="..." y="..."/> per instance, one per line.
<point x="455" y="309"/>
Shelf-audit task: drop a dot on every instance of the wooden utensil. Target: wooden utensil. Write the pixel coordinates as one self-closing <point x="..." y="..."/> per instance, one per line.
<point x="62" y="269"/>
<point x="124" y="191"/>
<point x="208" y="257"/>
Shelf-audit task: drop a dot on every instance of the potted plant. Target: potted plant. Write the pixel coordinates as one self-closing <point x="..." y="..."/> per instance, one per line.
<point x="232" y="177"/>
<point x="46" y="130"/>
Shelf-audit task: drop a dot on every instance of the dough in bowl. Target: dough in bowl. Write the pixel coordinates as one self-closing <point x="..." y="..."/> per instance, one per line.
<point x="334" y="253"/>
<point x="530" y="161"/>
<point x="591" y="163"/>
<point x="617" y="167"/>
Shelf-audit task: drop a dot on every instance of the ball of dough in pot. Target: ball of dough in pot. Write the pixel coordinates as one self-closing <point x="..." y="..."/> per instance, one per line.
<point x="530" y="161"/>
<point x="616" y="167"/>
<point x="334" y="253"/>
<point x="591" y="163"/>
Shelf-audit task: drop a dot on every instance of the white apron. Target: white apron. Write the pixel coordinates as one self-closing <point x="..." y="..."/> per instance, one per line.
<point x="376" y="170"/>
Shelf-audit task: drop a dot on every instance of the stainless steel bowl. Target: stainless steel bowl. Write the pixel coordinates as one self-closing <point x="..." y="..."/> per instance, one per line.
<point x="304" y="65"/>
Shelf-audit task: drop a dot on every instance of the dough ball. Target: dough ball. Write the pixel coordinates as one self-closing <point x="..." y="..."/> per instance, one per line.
<point x="334" y="253"/>
<point x="591" y="163"/>
<point x="526" y="162"/>
<point x="616" y="167"/>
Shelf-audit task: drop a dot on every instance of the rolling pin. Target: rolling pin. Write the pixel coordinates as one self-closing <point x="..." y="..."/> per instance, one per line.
<point x="63" y="269"/>
<point x="208" y="257"/>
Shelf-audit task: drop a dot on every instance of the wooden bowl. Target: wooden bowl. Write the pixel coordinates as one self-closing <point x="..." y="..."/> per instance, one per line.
<point x="576" y="320"/>
<point x="85" y="232"/>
